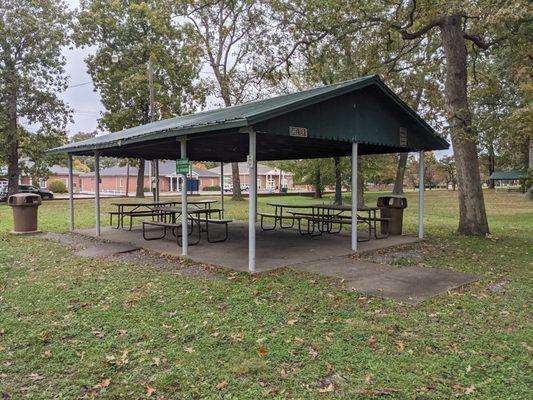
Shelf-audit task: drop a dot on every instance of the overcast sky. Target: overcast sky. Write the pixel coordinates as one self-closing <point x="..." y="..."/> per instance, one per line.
<point x="80" y="95"/>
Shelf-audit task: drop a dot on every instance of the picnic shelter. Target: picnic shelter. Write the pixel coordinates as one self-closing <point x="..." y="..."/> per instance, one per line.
<point x="352" y="118"/>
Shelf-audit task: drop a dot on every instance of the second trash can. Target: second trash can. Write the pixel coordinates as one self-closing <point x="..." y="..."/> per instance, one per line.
<point x="25" y="207"/>
<point x="392" y="207"/>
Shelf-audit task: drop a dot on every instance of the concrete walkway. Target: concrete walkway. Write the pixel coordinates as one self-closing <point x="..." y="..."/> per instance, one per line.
<point x="409" y="284"/>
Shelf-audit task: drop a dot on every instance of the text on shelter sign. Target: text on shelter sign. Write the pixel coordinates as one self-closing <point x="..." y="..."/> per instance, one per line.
<point x="297" y="131"/>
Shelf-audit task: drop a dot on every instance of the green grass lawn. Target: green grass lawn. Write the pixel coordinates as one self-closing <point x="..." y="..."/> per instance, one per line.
<point x="77" y="328"/>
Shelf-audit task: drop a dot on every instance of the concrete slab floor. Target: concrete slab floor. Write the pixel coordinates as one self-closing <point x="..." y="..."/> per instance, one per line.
<point x="274" y="249"/>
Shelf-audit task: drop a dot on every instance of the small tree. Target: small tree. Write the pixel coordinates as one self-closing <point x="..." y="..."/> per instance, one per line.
<point x="58" y="186"/>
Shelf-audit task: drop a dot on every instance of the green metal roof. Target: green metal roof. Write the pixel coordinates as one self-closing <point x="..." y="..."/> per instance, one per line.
<point x="375" y="122"/>
<point x="510" y="175"/>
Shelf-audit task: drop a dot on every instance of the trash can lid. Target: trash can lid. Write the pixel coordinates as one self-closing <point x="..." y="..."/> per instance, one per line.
<point x="22" y="199"/>
<point x="394" y="196"/>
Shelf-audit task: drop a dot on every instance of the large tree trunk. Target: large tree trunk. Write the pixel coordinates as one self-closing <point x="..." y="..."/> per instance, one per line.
<point x="236" y="193"/>
<point x="402" y="159"/>
<point x="12" y="148"/>
<point x="318" y="184"/>
<point x="139" y="191"/>
<point x="236" y="182"/>
<point x="338" y="181"/>
<point x="491" y="165"/>
<point x="128" y="178"/>
<point x="530" y="152"/>
<point x="360" y="190"/>
<point x="472" y="214"/>
<point x="400" y="173"/>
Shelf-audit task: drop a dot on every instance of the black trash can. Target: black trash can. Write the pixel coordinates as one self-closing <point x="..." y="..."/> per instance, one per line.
<point x="392" y="207"/>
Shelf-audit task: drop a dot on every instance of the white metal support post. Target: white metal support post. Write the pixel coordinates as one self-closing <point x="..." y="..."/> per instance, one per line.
<point x="421" y="186"/>
<point x="252" y="201"/>
<point x="97" y="190"/>
<point x="184" y="230"/>
<point x="156" y="175"/>
<point x="70" y="193"/>
<point x="354" y="196"/>
<point x="222" y="188"/>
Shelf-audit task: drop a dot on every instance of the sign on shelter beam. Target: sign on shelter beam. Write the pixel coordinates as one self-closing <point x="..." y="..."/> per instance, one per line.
<point x="182" y="166"/>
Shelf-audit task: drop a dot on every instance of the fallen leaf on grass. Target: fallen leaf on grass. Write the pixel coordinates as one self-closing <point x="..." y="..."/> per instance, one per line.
<point x="329" y="388"/>
<point x="222" y="385"/>
<point x="261" y="352"/>
<point x="105" y="383"/>
<point x="149" y="391"/>
<point x="122" y="332"/>
<point x="470" y="390"/>
<point x="36" y="377"/>
<point x="372" y="340"/>
<point x="400" y="345"/>
<point x="312" y="352"/>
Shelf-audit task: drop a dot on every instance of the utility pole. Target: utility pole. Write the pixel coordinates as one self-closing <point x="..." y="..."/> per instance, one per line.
<point x="154" y="169"/>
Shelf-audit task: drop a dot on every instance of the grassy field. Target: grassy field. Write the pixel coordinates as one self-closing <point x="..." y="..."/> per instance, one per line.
<point x="78" y="328"/>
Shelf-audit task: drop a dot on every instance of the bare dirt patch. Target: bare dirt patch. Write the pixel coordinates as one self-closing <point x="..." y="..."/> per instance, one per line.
<point x="410" y="254"/>
<point x="139" y="257"/>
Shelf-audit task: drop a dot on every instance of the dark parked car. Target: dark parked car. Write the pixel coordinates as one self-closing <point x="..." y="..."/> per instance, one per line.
<point x="44" y="193"/>
<point x="3" y="193"/>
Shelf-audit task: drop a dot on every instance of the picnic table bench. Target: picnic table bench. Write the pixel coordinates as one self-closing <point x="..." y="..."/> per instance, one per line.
<point x="322" y="218"/>
<point x="195" y="217"/>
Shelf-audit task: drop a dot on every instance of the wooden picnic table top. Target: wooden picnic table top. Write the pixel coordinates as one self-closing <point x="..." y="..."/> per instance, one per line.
<point x="324" y="206"/>
<point x="142" y="203"/>
<point x="191" y="210"/>
<point x="162" y="203"/>
<point x="345" y="207"/>
<point x="290" y="205"/>
<point x="203" y="201"/>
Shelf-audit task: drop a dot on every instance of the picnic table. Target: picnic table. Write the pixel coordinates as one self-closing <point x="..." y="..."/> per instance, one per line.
<point x="154" y="209"/>
<point x="196" y="216"/>
<point x="322" y="217"/>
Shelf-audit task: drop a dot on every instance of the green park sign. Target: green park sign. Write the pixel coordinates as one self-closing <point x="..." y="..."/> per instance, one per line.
<point x="182" y="166"/>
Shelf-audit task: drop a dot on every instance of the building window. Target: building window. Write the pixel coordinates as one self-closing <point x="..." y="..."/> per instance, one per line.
<point x="120" y="183"/>
<point x="284" y="183"/>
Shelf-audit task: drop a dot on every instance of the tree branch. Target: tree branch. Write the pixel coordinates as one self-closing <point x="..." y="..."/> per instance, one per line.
<point x="415" y="35"/>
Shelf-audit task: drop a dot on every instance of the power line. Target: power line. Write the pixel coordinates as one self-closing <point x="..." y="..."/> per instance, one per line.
<point x="79" y="84"/>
